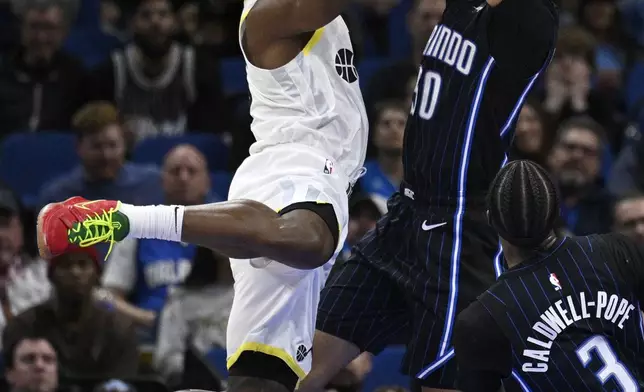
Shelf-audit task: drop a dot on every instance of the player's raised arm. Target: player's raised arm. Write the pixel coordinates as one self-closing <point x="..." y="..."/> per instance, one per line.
<point x="271" y="20"/>
<point x="522" y="34"/>
<point x="483" y="353"/>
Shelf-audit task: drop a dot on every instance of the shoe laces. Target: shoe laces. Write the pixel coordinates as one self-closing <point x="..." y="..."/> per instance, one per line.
<point x="95" y="229"/>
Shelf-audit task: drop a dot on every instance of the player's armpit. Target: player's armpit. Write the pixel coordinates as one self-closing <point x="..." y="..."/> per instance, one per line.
<point x="271" y="20"/>
<point x="245" y="229"/>
<point x="522" y="35"/>
<point x="483" y="353"/>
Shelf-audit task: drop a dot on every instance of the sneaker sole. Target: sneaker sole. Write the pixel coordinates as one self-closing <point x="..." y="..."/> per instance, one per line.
<point x="41" y="238"/>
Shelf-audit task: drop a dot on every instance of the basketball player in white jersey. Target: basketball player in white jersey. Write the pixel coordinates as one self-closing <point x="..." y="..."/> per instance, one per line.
<point x="288" y="210"/>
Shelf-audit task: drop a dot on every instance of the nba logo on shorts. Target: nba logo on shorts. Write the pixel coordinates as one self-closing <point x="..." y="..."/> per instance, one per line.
<point x="554" y="281"/>
<point x="328" y="167"/>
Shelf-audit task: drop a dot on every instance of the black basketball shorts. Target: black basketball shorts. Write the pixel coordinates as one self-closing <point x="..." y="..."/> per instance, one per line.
<point x="412" y="275"/>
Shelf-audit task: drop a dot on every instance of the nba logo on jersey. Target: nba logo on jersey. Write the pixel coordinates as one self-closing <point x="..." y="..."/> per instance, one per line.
<point x="328" y="167"/>
<point x="555" y="282"/>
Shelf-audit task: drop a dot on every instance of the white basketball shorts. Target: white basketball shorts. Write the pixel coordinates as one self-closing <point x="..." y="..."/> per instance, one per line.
<point x="275" y="306"/>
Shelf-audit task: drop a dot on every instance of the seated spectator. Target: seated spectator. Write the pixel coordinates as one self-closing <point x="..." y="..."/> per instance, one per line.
<point x="41" y="86"/>
<point x="23" y="280"/>
<point x="363" y="215"/>
<point x="629" y="216"/>
<point x="160" y="86"/>
<point x="385" y="172"/>
<point x="103" y="173"/>
<point x="196" y="313"/>
<point x="31" y="364"/>
<point x="143" y="270"/>
<point x="91" y="340"/>
<point x="391" y="81"/>
<point x="602" y="18"/>
<point x="568" y="84"/>
<point x="575" y="163"/>
<point x="532" y="138"/>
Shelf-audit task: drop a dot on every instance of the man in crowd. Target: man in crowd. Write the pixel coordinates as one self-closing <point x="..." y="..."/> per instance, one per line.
<point x="160" y="86"/>
<point x="103" y="172"/>
<point x="41" y="86"/>
<point x="575" y="162"/>
<point x="145" y="269"/>
<point x="91" y="340"/>
<point x="629" y="216"/>
<point x="31" y="365"/>
<point x="23" y="279"/>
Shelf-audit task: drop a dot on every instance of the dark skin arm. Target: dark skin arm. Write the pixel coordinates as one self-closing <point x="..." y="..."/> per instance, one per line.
<point x="277" y="30"/>
<point x="245" y="229"/>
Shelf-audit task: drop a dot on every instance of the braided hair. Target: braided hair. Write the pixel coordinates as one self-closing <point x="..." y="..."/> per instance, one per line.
<point x="523" y="204"/>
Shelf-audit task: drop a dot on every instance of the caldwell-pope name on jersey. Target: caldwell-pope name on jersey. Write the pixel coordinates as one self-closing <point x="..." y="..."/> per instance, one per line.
<point x="566" y="312"/>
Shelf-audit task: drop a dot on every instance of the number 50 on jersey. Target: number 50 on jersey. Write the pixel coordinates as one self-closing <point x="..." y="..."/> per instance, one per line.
<point x="446" y="46"/>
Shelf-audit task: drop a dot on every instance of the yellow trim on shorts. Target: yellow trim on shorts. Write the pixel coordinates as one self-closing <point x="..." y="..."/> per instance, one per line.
<point x="315" y="38"/>
<point x="268" y="350"/>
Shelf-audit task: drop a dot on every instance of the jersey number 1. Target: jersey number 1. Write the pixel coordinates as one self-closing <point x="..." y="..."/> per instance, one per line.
<point x="430" y="84"/>
<point x="612" y="367"/>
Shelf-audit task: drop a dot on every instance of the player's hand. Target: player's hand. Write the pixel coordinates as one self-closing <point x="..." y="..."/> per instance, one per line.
<point x="579" y="77"/>
<point x="557" y="91"/>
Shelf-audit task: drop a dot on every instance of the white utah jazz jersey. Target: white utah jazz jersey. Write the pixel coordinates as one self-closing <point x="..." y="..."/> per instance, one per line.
<point x="314" y="100"/>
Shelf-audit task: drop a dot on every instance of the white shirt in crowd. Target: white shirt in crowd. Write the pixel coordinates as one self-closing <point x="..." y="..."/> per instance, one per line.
<point x="198" y="313"/>
<point x="27" y="286"/>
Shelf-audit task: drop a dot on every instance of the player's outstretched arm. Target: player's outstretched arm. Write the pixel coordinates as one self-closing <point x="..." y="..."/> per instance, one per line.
<point x="482" y="352"/>
<point x="522" y="34"/>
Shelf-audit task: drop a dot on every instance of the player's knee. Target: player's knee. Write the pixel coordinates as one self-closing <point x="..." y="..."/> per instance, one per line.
<point x="312" y="230"/>
<point x="255" y="371"/>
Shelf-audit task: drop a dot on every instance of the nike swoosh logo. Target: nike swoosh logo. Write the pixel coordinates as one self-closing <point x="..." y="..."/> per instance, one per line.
<point x="427" y="227"/>
<point x="176" y="229"/>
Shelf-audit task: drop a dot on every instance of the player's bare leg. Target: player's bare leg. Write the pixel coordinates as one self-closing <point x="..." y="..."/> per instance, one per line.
<point x="241" y="229"/>
<point x="330" y="356"/>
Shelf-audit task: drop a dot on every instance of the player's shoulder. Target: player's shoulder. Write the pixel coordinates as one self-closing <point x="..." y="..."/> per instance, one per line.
<point x="610" y="242"/>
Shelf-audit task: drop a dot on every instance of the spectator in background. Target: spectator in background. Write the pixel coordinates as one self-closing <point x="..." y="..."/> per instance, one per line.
<point x="91" y="340"/>
<point x="385" y="172"/>
<point x="629" y="216"/>
<point x="144" y="270"/>
<point x="31" y="365"/>
<point x="532" y="139"/>
<point x="103" y="173"/>
<point x="391" y="82"/>
<point x="160" y="86"/>
<point x="626" y="174"/>
<point x="574" y="163"/>
<point x="23" y="280"/>
<point x="41" y="86"/>
<point x="568" y="83"/>
<point x="603" y="20"/>
<point x="196" y="313"/>
<point x="363" y="215"/>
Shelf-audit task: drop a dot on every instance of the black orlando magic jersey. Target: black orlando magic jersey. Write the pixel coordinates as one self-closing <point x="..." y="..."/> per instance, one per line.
<point x="571" y="317"/>
<point x="474" y="77"/>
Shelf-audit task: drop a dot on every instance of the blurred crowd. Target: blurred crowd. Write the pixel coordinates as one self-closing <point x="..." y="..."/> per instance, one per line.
<point x="108" y="76"/>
